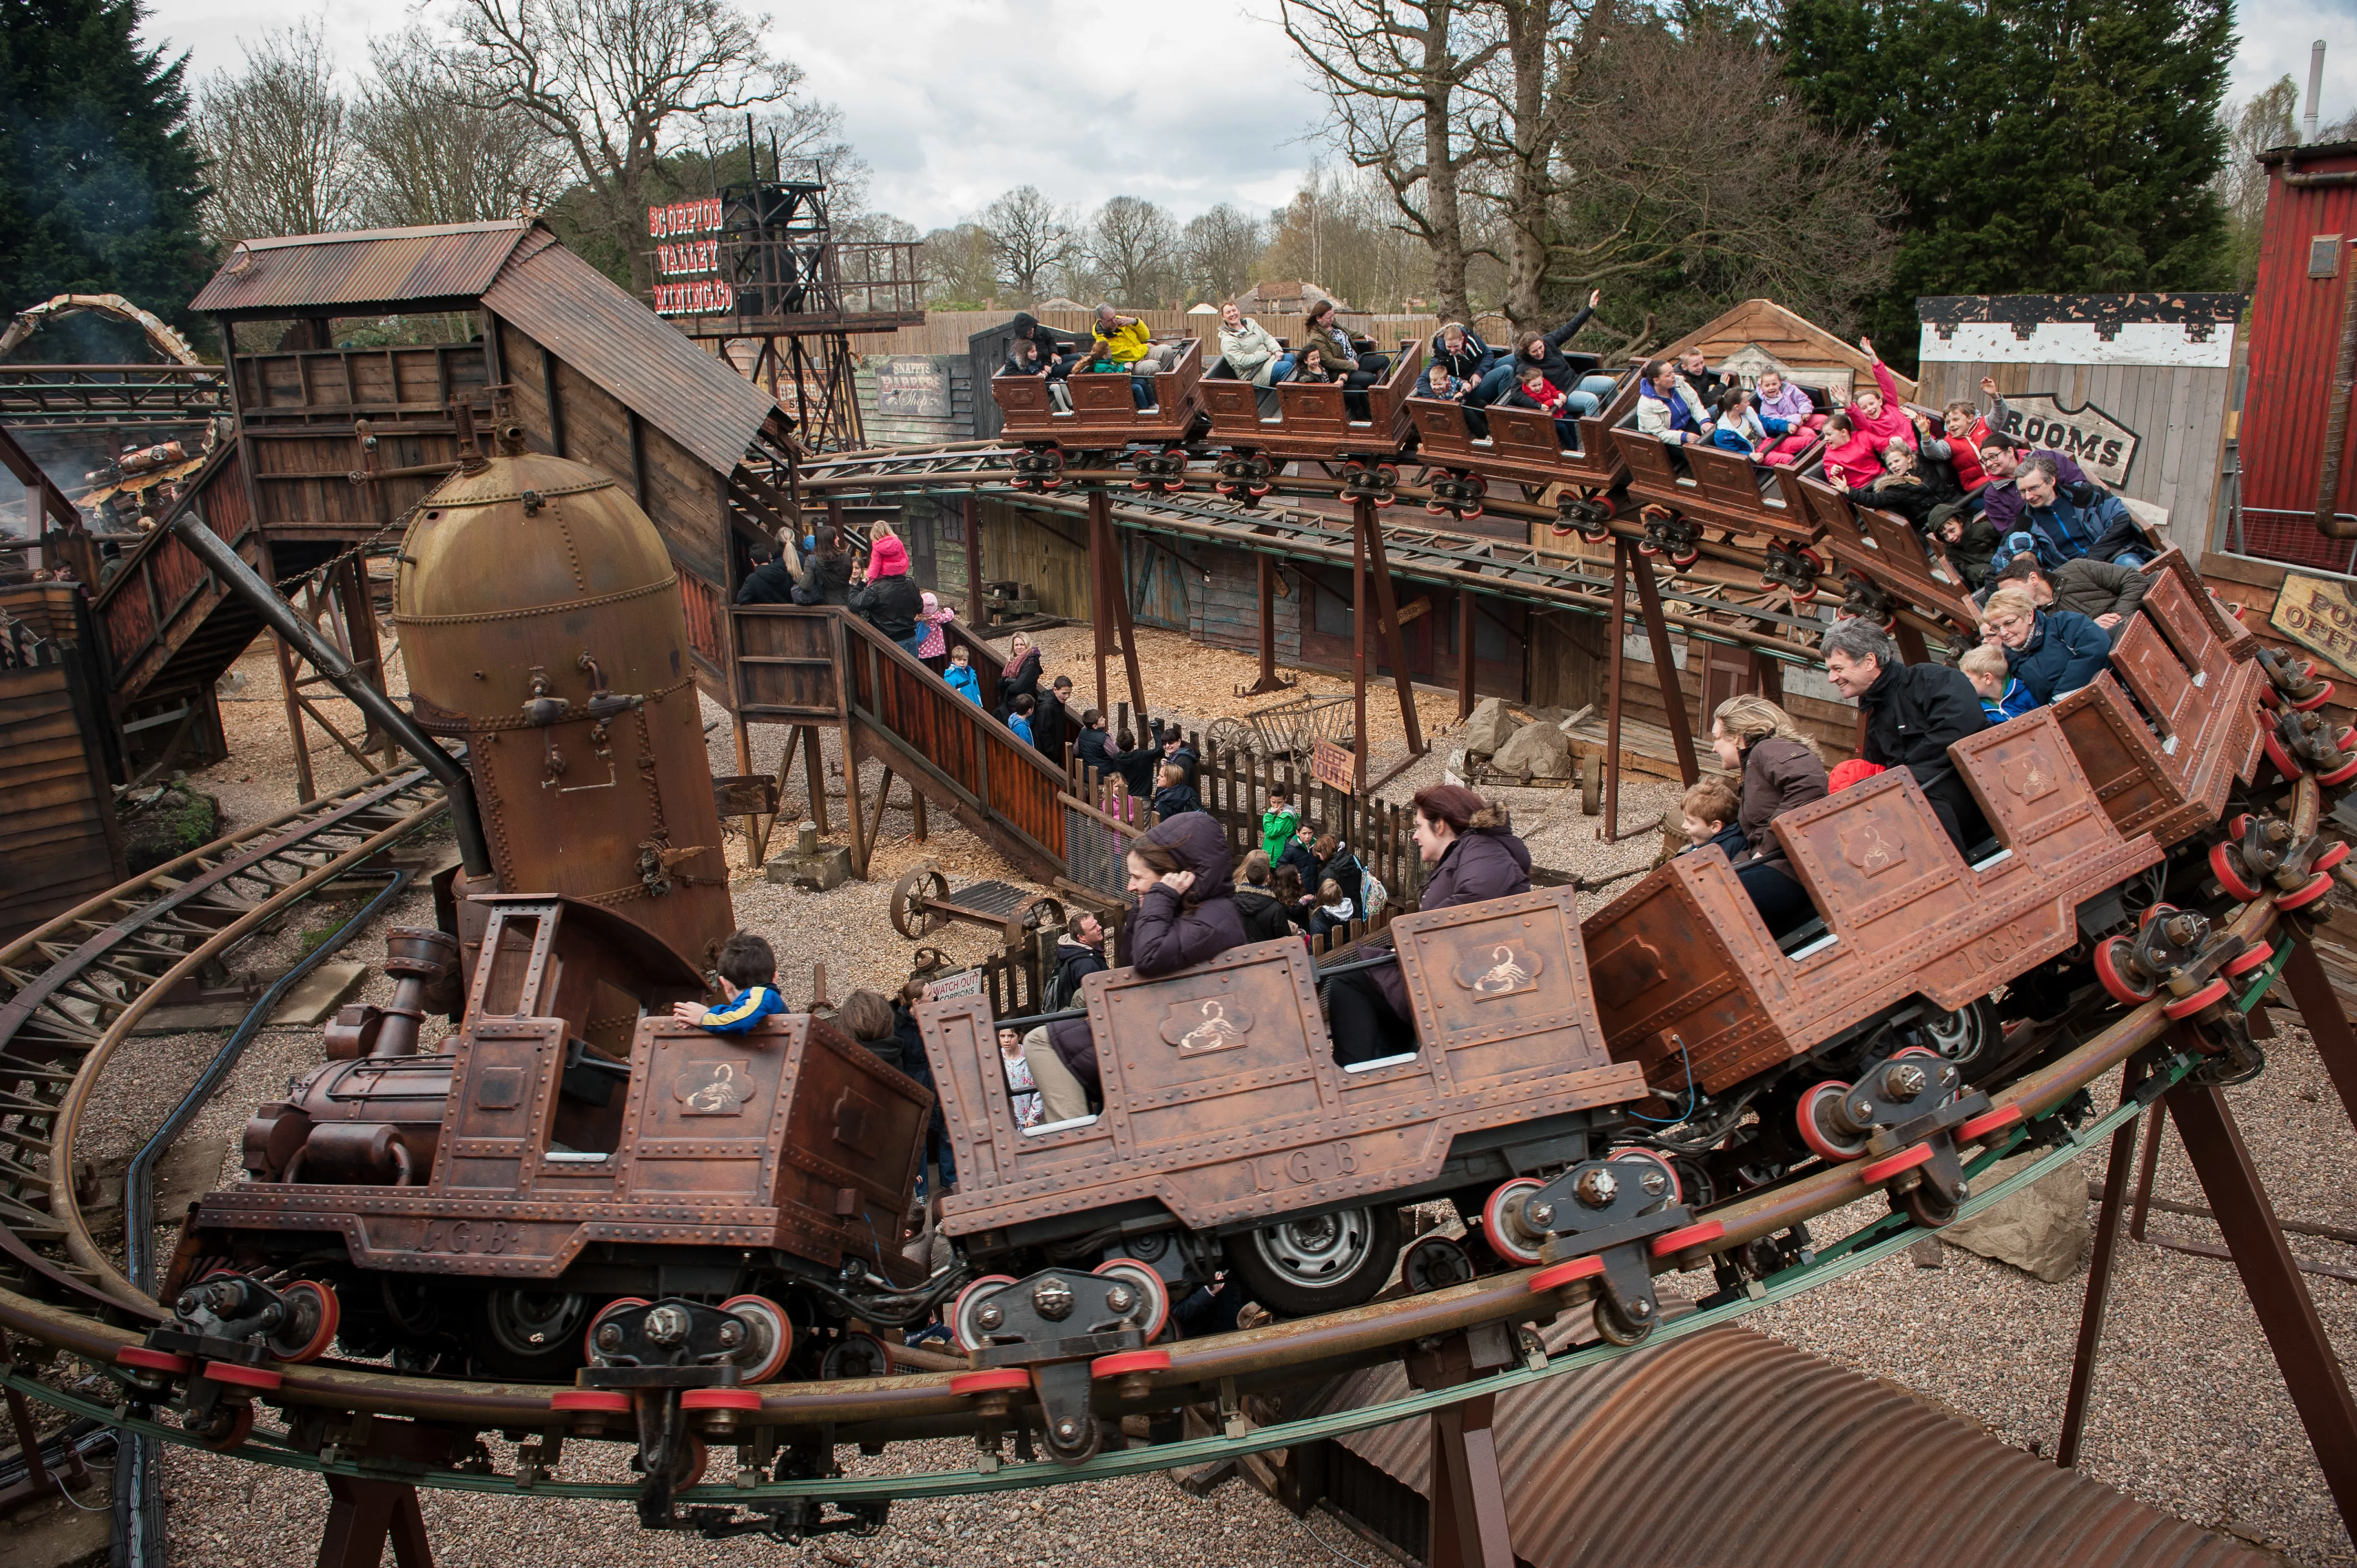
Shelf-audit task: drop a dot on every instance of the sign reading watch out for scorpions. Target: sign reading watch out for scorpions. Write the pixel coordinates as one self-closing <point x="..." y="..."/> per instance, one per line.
<point x="2321" y="615"/>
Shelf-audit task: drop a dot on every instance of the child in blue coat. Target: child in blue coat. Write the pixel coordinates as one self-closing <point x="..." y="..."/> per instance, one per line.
<point x="961" y="678"/>
<point x="2003" y="695"/>
<point x="750" y="969"/>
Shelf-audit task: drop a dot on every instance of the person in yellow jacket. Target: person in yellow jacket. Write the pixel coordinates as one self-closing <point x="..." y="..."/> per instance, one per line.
<point x="1125" y="340"/>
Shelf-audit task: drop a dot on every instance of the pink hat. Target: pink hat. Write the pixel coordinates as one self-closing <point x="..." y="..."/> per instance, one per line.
<point x="932" y="605"/>
<point x="889" y="558"/>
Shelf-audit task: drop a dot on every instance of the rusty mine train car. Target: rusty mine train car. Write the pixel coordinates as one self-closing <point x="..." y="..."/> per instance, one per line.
<point x="519" y="1198"/>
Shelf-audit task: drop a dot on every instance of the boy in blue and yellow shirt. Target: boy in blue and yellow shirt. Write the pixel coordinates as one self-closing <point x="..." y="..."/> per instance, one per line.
<point x="750" y="969"/>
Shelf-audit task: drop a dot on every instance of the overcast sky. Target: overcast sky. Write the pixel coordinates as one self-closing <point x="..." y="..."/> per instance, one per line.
<point x="1187" y="102"/>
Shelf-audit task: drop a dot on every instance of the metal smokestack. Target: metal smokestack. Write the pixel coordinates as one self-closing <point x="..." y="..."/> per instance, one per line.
<point x="2315" y="90"/>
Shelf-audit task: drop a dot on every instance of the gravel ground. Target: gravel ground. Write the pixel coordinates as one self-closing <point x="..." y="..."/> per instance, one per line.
<point x="2190" y="1412"/>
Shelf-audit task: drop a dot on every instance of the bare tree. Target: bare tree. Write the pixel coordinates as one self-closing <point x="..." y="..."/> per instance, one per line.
<point x="1725" y="205"/>
<point x="2262" y="121"/>
<point x="961" y="265"/>
<point x="1135" y="247"/>
<point x="278" y="136"/>
<point x="1396" y="69"/>
<point x="612" y="80"/>
<point x="1339" y="233"/>
<point x="1031" y="236"/>
<point x="1222" y="247"/>
<point x="1521" y="103"/>
<point x="430" y="159"/>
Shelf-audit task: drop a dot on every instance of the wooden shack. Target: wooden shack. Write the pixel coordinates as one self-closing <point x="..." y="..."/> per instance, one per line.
<point x="59" y="837"/>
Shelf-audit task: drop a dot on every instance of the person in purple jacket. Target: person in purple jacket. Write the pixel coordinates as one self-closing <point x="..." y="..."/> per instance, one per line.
<point x="1182" y="872"/>
<point x="1473" y="855"/>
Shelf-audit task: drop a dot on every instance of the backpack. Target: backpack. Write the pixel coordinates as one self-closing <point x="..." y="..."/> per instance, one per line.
<point x="1372" y="896"/>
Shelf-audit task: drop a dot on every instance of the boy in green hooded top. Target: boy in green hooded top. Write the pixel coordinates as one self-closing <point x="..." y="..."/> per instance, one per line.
<point x="1277" y="824"/>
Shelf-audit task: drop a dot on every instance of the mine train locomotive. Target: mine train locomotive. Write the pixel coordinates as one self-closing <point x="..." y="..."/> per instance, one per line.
<point x="571" y="1175"/>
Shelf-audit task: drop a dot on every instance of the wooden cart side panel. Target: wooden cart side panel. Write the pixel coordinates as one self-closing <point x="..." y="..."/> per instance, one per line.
<point x="1685" y="976"/>
<point x="2170" y="604"/>
<point x="2036" y="798"/>
<point x="1442" y="434"/>
<point x="706" y="1112"/>
<point x="1499" y="990"/>
<point x="1876" y="862"/>
<point x="853" y="1125"/>
<point x="2150" y="669"/>
<point x="2120" y="757"/>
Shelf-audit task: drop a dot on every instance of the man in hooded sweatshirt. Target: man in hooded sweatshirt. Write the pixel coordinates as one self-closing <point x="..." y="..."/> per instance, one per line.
<point x="891" y="601"/>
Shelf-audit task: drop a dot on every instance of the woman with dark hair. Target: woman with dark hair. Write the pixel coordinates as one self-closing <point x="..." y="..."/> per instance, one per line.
<point x="1285" y="879"/>
<point x="1474" y="855"/>
<point x="826" y="578"/>
<point x="1182" y="872"/>
<point x="1354" y="361"/>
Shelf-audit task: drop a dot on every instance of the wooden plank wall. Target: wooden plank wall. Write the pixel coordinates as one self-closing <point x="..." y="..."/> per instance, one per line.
<point x="908" y="430"/>
<point x="57" y="831"/>
<point x="2179" y="411"/>
<point x="1226" y="610"/>
<point x="1042" y="549"/>
<point x="1794" y="340"/>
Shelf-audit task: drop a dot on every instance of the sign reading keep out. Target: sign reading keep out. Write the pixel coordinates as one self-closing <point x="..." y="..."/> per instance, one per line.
<point x="2321" y="615"/>
<point x="1333" y="766"/>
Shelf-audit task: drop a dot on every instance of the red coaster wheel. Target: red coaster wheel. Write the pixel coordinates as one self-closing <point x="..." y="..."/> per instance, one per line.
<point x="1494" y="1225"/>
<point x="1631" y="1152"/>
<point x="325" y="1312"/>
<point x="2309" y="705"/>
<point x="1683" y="559"/>
<point x="2277" y="754"/>
<point x="998" y="1379"/>
<point x="2333" y="855"/>
<point x="2250" y="960"/>
<point x="720" y="1399"/>
<point x="2112" y="968"/>
<point x="1988" y="1124"/>
<point x="148" y="1361"/>
<point x="599" y="1401"/>
<point x="1693" y="1236"/>
<point x="688" y="1468"/>
<point x="1128" y="1361"/>
<point x="1647" y="547"/>
<point x="2221" y="866"/>
<point x="1440" y="508"/>
<point x="2235" y="826"/>
<point x="1149" y="1285"/>
<point x="1823" y="1142"/>
<point x="963" y="1330"/>
<point x="2317" y="888"/>
<point x="241" y="1375"/>
<point x="589" y="1334"/>
<point x="773" y="1335"/>
<point x="2186" y="1006"/>
<point x="1905" y="1160"/>
<point x="241" y="1427"/>
<point x="1600" y="534"/>
<point x="1562" y="1275"/>
<point x="1470" y="511"/>
<point x="1812" y="557"/>
<point x="2270" y="696"/>
<point x="2341" y="775"/>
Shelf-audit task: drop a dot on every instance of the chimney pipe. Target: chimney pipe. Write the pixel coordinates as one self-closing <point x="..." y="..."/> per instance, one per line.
<point x="2315" y="90"/>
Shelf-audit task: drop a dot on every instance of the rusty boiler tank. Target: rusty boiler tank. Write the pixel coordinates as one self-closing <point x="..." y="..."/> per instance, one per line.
<point x="539" y="616"/>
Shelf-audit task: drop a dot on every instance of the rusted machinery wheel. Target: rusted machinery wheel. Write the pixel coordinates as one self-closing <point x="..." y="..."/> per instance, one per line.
<point x="1036" y="913"/>
<point x="912" y="899"/>
<point x="311" y="1327"/>
<point x="1230" y="735"/>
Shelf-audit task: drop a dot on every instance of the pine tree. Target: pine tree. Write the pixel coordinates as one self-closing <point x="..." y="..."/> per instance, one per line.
<point x="2037" y="146"/>
<point x="100" y="179"/>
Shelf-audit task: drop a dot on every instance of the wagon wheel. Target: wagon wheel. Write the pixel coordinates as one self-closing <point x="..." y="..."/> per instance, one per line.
<point x="1036" y="912"/>
<point x="913" y="897"/>
<point x="1229" y="735"/>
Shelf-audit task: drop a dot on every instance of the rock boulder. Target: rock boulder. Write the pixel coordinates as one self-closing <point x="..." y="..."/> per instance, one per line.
<point x="2041" y="1229"/>
<point x="1541" y="751"/>
<point x="1489" y="727"/>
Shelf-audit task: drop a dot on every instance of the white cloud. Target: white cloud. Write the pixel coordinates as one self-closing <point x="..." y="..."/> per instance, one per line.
<point x="2276" y="37"/>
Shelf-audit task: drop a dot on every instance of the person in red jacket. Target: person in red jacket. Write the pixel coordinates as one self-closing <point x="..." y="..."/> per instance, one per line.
<point x="1875" y="411"/>
<point x="1852" y="459"/>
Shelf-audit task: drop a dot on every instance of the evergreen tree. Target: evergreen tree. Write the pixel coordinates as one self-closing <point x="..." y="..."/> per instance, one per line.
<point x="99" y="176"/>
<point x="2037" y="146"/>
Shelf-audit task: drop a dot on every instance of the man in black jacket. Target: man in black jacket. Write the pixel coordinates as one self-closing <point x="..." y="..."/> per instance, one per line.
<point x="1052" y="719"/>
<point x="1080" y="952"/>
<point x="768" y="583"/>
<point x="1913" y="712"/>
<point x="1059" y="351"/>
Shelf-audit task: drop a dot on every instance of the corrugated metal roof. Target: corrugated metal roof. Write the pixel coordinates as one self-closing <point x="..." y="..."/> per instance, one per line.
<point x="1733" y="1447"/>
<point x="579" y="314"/>
<point x="367" y="266"/>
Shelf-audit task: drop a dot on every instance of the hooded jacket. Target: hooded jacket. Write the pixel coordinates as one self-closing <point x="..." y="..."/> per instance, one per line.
<point x="1169" y="933"/>
<point x="1076" y="962"/>
<point x="2065" y="651"/>
<point x="1051" y="342"/>
<point x="1468" y="361"/>
<point x="1563" y="369"/>
<point x="768" y="583"/>
<point x="1264" y="918"/>
<point x="1683" y="412"/>
<point x="826" y="580"/>
<point x="1894" y="423"/>
<point x="2100" y="529"/>
<point x="1250" y="350"/>
<point x="961" y="680"/>
<point x="2095" y="588"/>
<point x="1779" y="776"/>
<point x="1486" y="860"/>
<point x="2001" y="501"/>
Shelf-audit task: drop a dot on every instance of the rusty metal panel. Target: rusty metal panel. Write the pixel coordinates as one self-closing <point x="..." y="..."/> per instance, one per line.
<point x="305" y="273"/>
<point x="2122" y="758"/>
<point x="1738" y="1441"/>
<point x="1874" y="859"/>
<point x="2163" y="687"/>
<point x="495" y="1128"/>
<point x="585" y="319"/>
<point x="1502" y="989"/>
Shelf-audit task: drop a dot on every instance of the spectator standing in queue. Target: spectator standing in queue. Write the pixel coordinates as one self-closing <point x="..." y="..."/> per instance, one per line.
<point x="1780" y="771"/>
<point x="1018" y="718"/>
<point x="1913" y="712"/>
<point x="1175" y="794"/>
<point x="771" y="581"/>
<point x="889" y="599"/>
<point x="2103" y="591"/>
<point x="1020" y="676"/>
<point x="1277" y="824"/>
<point x="1336" y="863"/>
<point x="934" y="617"/>
<point x="1264" y="917"/>
<point x="1334" y="909"/>
<point x="2052" y="652"/>
<point x="961" y="677"/>
<point x="1176" y="750"/>
<point x="1051" y="721"/>
<point x="827" y="576"/>
<point x="1301" y="854"/>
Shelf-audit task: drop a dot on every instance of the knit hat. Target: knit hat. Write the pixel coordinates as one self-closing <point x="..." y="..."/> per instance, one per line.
<point x="889" y="558"/>
<point x="932" y="605"/>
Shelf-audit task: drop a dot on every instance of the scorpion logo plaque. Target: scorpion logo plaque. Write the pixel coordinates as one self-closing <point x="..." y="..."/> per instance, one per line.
<point x="713" y="1088"/>
<point x="1495" y="970"/>
<point x="1866" y="849"/>
<point x="1198" y="1029"/>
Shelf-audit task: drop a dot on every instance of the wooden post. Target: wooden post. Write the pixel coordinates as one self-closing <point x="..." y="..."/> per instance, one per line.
<point x="1466" y="611"/>
<point x="1767" y="678"/>
<point x="305" y="789"/>
<point x="1107" y="544"/>
<point x="1616" y="630"/>
<point x="1394" y="636"/>
<point x="366" y="649"/>
<point x="2328" y="1025"/>
<point x="1101" y="593"/>
<point x="1359" y="619"/>
<point x="366" y="1514"/>
<point x="814" y="777"/>
<point x="2099" y="1276"/>
<point x="1268" y="680"/>
<point x="1665" y="672"/>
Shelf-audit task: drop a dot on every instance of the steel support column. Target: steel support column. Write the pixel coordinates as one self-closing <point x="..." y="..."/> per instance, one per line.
<point x="2099" y="1276"/>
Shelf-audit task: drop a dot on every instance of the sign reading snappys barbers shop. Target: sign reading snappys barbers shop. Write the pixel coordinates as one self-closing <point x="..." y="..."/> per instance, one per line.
<point x="2321" y="615"/>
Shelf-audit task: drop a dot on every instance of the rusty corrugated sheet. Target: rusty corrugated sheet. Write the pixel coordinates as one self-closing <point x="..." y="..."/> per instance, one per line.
<point x="1733" y="1449"/>
<point x="580" y="316"/>
<point x="368" y="266"/>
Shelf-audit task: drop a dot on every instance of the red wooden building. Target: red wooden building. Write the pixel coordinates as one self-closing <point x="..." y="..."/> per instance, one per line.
<point x="2307" y="284"/>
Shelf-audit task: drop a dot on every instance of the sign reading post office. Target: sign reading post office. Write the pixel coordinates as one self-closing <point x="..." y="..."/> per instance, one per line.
<point x="2321" y="615"/>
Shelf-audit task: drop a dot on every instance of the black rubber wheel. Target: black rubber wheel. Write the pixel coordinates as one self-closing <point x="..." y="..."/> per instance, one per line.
<point x="1323" y="1263"/>
<point x="1612" y="1326"/>
<point x="530" y="1336"/>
